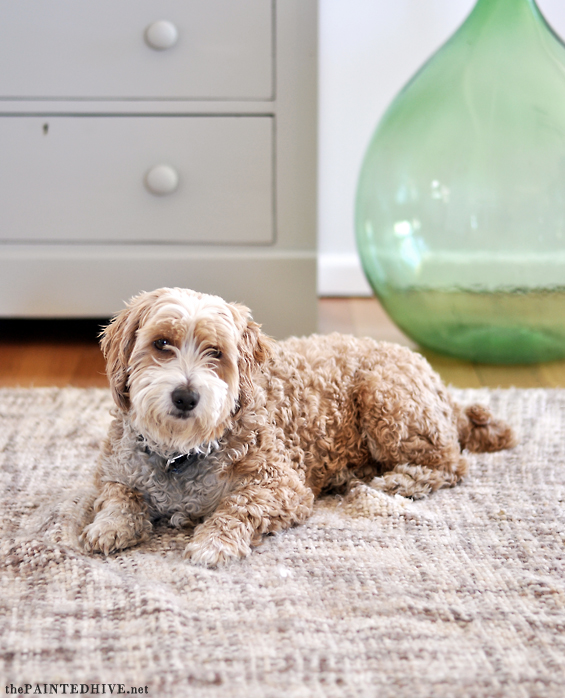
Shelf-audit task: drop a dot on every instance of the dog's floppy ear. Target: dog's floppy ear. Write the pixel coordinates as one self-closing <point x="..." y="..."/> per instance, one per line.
<point x="117" y="342"/>
<point x="254" y="348"/>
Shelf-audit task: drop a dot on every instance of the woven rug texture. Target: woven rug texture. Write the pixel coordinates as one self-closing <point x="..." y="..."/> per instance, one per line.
<point x="459" y="595"/>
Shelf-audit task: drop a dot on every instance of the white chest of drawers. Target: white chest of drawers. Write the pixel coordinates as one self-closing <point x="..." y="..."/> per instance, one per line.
<point x="147" y="144"/>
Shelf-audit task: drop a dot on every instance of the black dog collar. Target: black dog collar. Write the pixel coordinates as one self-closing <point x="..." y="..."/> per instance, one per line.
<point x="177" y="464"/>
<point x="174" y="464"/>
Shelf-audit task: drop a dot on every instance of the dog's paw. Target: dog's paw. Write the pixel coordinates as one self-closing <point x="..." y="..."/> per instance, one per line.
<point x="107" y="534"/>
<point x="212" y="548"/>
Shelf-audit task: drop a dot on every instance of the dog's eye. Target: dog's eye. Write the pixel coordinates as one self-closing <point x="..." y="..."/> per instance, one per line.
<point x="162" y="344"/>
<point x="214" y="353"/>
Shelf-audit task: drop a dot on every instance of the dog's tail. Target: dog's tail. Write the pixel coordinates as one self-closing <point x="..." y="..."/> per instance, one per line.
<point x="479" y="431"/>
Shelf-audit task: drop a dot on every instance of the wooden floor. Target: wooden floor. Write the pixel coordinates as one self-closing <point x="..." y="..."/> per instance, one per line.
<point x="65" y="352"/>
<point x="364" y="316"/>
<point x="51" y="353"/>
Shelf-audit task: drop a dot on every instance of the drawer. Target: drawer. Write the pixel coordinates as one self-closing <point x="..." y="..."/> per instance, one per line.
<point x="65" y="49"/>
<point x="86" y="179"/>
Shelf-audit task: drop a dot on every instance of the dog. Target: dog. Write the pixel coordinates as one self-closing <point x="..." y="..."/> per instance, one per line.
<point x="219" y="428"/>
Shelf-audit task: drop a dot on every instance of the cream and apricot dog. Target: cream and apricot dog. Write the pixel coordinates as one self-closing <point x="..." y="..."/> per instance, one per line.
<point x="222" y="429"/>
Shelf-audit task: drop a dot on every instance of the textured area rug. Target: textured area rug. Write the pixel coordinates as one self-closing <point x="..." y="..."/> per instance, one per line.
<point x="462" y="594"/>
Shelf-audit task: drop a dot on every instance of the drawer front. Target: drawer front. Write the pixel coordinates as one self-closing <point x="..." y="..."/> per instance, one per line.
<point x="65" y="49"/>
<point x="187" y="179"/>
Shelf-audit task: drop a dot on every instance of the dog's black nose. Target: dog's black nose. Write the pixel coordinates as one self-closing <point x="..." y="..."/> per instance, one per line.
<point x="185" y="399"/>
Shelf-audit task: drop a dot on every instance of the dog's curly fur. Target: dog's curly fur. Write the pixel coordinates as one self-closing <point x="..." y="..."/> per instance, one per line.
<point x="267" y="426"/>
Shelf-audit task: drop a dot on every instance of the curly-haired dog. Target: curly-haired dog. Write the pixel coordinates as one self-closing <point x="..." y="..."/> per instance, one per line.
<point x="220" y="428"/>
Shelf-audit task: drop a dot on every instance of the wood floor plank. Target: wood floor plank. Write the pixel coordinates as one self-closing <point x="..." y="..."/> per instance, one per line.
<point x="50" y="353"/>
<point x="10" y="363"/>
<point x="553" y="374"/>
<point x="371" y="320"/>
<point x="460" y="374"/>
<point x="511" y="376"/>
<point x="368" y="318"/>
<point x="59" y="353"/>
<point x="335" y="316"/>
<point x="90" y="370"/>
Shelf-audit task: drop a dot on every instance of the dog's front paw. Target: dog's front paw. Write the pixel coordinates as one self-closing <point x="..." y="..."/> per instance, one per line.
<point x="211" y="547"/>
<point x="107" y="534"/>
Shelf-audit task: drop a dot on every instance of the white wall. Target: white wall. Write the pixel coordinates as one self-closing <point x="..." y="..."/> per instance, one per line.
<point x="368" y="50"/>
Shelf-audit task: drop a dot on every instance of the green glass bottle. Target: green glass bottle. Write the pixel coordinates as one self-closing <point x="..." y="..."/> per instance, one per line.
<point x="460" y="212"/>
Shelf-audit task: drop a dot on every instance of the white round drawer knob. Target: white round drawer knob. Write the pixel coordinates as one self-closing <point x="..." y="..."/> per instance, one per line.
<point x="162" y="179"/>
<point x="161" y="35"/>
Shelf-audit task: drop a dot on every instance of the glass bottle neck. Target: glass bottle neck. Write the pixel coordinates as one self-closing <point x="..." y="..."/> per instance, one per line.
<point x="501" y="17"/>
<point x="491" y="7"/>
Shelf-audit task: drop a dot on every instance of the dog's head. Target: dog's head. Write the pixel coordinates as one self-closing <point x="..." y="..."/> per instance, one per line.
<point x="181" y="363"/>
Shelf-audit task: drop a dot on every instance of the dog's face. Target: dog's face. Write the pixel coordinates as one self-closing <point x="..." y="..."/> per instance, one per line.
<point x="180" y="362"/>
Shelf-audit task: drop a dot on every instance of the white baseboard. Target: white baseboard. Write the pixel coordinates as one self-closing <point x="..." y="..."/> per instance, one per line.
<point x="341" y="275"/>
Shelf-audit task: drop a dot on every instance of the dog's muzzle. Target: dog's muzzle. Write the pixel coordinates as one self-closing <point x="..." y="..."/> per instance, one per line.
<point x="184" y="400"/>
